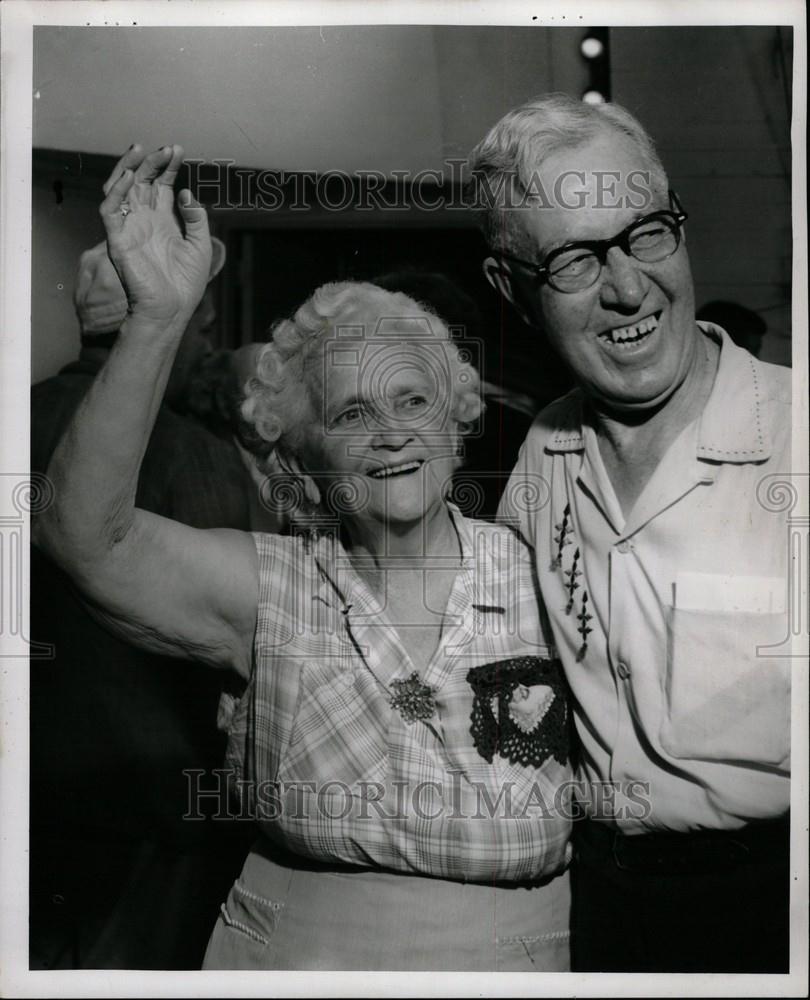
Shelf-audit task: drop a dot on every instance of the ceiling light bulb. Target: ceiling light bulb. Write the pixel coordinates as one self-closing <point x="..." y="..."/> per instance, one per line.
<point x="593" y="97"/>
<point x="592" y="48"/>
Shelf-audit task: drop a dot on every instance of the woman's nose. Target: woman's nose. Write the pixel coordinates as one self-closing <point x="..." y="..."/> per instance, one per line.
<point x="391" y="437"/>
<point x="387" y="430"/>
<point x="624" y="283"/>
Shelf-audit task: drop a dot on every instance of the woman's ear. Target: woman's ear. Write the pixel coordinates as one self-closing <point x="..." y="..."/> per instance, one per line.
<point x="292" y="466"/>
<point x="286" y="489"/>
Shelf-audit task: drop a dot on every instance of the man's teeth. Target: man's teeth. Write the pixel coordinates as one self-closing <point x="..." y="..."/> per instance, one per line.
<point x="631" y="334"/>
<point x="395" y="470"/>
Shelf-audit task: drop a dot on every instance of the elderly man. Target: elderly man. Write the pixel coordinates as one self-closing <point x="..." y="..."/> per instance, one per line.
<point x="663" y="576"/>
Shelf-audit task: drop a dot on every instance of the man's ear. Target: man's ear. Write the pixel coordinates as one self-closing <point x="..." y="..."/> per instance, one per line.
<point x="497" y="274"/>
<point x="498" y="277"/>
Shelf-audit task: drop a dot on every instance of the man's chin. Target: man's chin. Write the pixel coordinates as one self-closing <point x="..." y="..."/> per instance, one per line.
<point x="636" y="406"/>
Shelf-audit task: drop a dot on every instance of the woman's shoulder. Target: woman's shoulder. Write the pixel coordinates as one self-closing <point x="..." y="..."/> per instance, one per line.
<point x="498" y="554"/>
<point x="299" y="555"/>
<point x="504" y="574"/>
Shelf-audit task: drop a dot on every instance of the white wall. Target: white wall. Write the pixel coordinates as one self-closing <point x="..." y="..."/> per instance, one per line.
<point x="405" y="98"/>
<point x="370" y="98"/>
<point x="60" y="233"/>
<point x="330" y="98"/>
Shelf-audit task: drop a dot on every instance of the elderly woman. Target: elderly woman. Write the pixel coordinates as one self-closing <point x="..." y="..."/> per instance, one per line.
<point x="400" y="735"/>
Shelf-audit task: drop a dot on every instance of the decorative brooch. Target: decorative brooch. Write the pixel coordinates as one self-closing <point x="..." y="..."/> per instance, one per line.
<point x="413" y="699"/>
<point x="520" y="710"/>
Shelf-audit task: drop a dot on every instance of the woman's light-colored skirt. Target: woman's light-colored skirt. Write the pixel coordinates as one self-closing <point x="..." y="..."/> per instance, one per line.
<point x="285" y="913"/>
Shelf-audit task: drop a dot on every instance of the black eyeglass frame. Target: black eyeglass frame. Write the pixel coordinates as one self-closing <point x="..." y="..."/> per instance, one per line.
<point x="600" y="248"/>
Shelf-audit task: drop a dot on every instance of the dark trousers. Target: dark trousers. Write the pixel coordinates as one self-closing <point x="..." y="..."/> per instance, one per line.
<point x="681" y="902"/>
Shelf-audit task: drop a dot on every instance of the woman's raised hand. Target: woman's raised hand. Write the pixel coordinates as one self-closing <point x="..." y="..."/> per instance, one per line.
<point x="164" y="271"/>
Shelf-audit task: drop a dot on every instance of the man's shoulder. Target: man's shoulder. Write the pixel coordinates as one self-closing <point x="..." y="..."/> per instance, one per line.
<point x="774" y="382"/>
<point x="563" y="416"/>
<point x="774" y="388"/>
<point x="772" y="394"/>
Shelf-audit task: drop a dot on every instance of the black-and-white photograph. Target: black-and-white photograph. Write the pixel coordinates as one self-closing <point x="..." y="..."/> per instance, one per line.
<point x="408" y="568"/>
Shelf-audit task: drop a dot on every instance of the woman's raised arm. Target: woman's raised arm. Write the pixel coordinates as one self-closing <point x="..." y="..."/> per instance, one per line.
<point x="163" y="585"/>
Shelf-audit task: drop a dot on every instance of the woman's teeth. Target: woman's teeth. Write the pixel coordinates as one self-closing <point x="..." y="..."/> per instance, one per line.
<point x="631" y="334"/>
<point x="395" y="470"/>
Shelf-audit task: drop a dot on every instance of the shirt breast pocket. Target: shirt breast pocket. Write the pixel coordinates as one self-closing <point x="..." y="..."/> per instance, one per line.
<point x="725" y="697"/>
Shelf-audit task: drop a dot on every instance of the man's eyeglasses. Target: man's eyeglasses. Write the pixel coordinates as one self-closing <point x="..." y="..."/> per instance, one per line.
<point x="577" y="266"/>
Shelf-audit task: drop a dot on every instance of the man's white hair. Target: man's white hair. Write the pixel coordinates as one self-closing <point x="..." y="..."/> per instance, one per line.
<point x="505" y="163"/>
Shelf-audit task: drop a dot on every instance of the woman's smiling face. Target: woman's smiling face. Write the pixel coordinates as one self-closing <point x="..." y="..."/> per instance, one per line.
<point x="383" y="446"/>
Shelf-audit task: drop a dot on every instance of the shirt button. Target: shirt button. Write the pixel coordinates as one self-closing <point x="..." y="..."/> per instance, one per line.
<point x="622" y="670"/>
<point x="624" y="547"/>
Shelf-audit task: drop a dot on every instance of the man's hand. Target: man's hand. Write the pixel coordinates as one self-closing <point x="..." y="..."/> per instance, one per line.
<point x="163" y="271"/>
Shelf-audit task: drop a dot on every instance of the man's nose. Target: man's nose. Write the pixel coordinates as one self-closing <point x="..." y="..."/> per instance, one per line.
<point x="624" y="284"/>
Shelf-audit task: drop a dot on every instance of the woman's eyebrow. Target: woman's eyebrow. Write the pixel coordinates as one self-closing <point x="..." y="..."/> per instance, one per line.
<point x="353" y="399"/>
<point x="416" y="384"/>
<point x="412" y="385"/>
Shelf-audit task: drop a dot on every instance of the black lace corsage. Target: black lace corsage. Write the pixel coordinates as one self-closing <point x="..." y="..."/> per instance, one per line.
<point x="520" y="710"/>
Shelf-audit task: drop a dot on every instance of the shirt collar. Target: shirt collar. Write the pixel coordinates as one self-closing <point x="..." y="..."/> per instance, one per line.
<point x="567" y="434"/>
<point x="339" y="586"/>
<point x="485" y="563"/>
<point x="732" y="426"/>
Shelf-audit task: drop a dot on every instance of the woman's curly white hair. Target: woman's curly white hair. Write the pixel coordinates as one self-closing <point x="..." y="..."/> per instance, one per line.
<point x="283" y="396"/>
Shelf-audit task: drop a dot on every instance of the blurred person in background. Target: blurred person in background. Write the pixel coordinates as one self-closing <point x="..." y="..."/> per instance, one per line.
<point x="118" y="878"/>
<point x="214" y="394"/>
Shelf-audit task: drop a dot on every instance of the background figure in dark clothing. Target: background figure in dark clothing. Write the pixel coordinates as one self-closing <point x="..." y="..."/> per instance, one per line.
<point x="745" y="327"/>
<point x="118" y="878"/>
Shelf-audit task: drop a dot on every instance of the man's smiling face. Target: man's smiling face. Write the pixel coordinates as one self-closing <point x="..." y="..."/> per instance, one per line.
<point x="631" y="337"/>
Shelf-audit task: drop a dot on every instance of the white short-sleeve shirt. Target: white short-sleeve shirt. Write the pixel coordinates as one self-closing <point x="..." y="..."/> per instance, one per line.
<point x="671" y="623"/>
